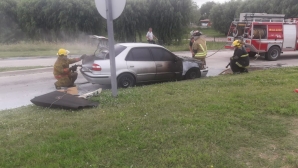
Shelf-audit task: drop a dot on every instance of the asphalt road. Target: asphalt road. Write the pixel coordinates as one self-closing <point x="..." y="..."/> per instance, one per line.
<point x="18" y="87"/>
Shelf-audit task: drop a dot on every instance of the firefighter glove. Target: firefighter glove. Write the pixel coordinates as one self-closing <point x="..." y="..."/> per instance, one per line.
<point x="73" y="68"/>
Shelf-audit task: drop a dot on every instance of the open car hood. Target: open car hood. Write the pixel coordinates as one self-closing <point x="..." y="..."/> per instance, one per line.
<point x="189" y="59"/>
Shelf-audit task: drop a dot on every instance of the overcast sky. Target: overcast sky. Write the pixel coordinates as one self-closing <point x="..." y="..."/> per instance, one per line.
<point x="200" y="2"/>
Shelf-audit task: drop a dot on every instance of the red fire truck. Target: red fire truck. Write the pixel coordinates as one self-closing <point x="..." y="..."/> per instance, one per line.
<point x="266" y="34"/>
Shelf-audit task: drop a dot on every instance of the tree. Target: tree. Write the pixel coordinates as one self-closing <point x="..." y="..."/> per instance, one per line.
<point x="205" y="9"/>
<point x="290" y="8"/>
<point x="132" y="21"/>
<point x="169" y="18"/>
<point x="222" y="15"/>
<point x="195" y="14"/>
<point x="260" y="6"/>
<point x="67" y="20"/>
<point x="53" y="20"/>
<point x="9" y="29"/>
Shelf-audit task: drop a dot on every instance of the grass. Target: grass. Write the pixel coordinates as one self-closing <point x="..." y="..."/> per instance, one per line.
<point x="247" y="120"/>
<point x="27" y="49"/>
<point x="212" y="33"/>
<point x="5" y="69"/>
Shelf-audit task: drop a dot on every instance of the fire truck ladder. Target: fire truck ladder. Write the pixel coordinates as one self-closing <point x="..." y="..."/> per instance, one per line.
<point x="263" y="17"/>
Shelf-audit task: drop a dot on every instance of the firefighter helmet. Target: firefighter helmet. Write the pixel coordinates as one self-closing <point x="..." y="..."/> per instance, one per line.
<point x="62" y="52"/>
<point x="236" y="43"/>
<point x="197" y="33"/>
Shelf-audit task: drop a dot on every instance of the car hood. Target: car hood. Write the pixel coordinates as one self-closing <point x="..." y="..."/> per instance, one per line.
<point x="188" y="63"/>
<point x="189" y="59"/>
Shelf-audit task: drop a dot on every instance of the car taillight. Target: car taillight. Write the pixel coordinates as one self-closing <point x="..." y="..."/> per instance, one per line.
<point x="96" y="67"/>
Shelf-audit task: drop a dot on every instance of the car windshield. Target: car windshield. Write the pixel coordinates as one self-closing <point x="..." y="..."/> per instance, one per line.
<point x="104" y="53"/>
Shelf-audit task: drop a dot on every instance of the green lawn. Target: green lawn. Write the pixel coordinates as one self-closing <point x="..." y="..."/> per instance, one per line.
<point x="212" y="33"/>
<point x="5" y="69"/>
<point x="28" y="49"/>
<point x="247" y="120"/>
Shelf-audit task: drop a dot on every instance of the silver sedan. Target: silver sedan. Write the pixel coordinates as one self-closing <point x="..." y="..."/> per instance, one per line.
<point x="140" y="63"/>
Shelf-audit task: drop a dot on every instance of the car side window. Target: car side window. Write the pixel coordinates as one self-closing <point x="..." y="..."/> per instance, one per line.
<point x="160" y="54"/>
<point x="139" y="54"/>
<point x="157" y="54"/>
<point x="168" y="56"/>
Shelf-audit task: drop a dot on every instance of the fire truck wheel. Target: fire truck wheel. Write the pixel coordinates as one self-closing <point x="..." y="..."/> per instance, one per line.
<point x="273" y="53"/>
<point x="252" y="54"/>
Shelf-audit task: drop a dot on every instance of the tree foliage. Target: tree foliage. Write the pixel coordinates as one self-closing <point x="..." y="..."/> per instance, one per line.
<point x="65" y="20"/>
<point x="168" y="18"/>
<point x="195" y="14"/>
<point x="221" y="15"/>
<point x="132" y="22"/>
<point x="53" y="20"/>
<point x="9" y="29"/>
<point x="206" y="8"/>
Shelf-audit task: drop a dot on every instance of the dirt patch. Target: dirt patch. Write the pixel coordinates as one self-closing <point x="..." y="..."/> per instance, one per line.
<point x="251" y="68"/>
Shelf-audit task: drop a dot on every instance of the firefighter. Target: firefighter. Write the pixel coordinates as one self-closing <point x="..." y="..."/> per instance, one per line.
<point x="64" y="74"/>
<point x="199" y="47"/>
<point x="239" y="62"/>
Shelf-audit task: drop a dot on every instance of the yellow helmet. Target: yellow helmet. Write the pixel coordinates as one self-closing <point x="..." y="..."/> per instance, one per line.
<point x="62" y="52"/>
<point x="236" y="43"/>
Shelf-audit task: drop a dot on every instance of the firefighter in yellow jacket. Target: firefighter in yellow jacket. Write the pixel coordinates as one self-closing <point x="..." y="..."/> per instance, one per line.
<point x="64" y="74"/>
<point x="239" y="62"/>
<point x="199" y="47"/>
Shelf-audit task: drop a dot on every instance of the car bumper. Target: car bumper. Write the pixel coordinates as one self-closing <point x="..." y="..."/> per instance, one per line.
<point x="106" y="79"/>
<point x="204" y="72"/>
<point x="96" y="79"/>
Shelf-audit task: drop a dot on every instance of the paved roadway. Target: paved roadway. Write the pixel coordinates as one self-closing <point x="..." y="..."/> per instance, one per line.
<point x="17" y="88"/>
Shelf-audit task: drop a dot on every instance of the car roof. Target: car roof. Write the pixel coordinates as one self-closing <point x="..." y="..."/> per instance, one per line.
<point x="140" y="45"/>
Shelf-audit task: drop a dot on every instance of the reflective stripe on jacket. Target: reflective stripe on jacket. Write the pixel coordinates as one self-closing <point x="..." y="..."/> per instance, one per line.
<point x="201" y="47"/>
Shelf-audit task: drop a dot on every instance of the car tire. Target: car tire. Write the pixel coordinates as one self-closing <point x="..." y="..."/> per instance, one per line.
<point x="193" y="73"/>
<point x="126" y="80"/>
<point x="273" y="53"/>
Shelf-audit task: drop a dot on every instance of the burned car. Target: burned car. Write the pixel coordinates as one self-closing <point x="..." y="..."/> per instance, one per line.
<point x="139" y="63"/>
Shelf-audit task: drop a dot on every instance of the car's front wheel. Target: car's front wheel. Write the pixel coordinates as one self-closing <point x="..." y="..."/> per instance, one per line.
<point x="126" y="80"/>
<point x="192" y="74"/>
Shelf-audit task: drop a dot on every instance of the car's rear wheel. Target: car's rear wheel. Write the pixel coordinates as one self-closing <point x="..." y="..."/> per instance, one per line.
<point x="126" y="80"/>
<point x="193" y="73"/>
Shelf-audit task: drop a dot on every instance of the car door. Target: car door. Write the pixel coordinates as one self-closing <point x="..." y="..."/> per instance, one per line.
<point x="168" y="66"/>
<point x="140" y="61"/>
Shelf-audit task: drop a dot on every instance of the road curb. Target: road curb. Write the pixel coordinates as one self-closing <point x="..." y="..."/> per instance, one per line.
<point x="27" y="71"/>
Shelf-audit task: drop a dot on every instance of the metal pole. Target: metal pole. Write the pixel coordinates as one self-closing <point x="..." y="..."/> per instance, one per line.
<point x="111" y="47"/>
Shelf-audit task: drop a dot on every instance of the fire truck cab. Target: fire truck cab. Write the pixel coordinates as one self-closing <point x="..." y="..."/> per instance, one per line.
<point x="266" y="34"/>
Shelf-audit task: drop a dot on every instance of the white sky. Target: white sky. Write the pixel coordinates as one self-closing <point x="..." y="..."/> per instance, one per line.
<point x="200" y="2"/>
